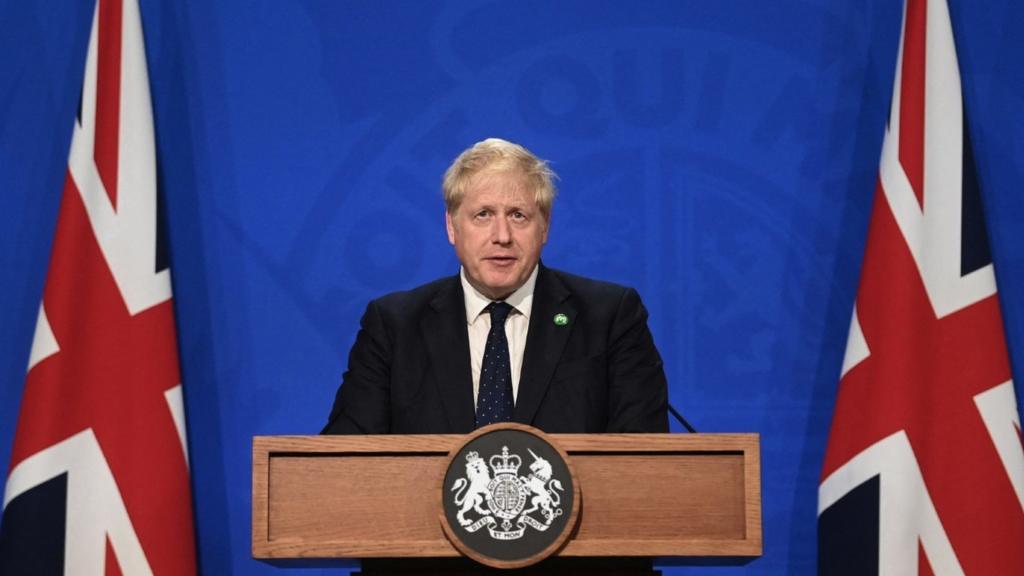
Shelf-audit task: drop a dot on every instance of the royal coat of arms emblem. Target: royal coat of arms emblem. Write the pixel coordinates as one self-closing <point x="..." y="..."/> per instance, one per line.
<point x="506" y="503"/>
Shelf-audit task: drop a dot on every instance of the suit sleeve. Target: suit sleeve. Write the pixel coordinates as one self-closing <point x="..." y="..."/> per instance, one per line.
<point x="362" y="404"/>
<point x="638" y="390"/>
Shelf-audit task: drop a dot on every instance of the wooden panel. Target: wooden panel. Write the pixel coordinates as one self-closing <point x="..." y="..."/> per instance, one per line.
<point x="661" y="497"/>
<point x="376" y="496"/>
<point x="393" y="500"/>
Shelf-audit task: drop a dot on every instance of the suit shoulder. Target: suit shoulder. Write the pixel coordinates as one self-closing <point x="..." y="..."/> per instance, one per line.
<point x="590" y="286"/>
<point x="408" y="301"/>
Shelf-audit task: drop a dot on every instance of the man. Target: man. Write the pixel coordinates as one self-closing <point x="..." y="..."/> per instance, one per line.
<point x="507" y="338"/>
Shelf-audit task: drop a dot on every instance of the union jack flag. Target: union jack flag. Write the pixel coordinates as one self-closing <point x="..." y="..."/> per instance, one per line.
<point x="924" y="471"/>
<point x="99" y="480"/>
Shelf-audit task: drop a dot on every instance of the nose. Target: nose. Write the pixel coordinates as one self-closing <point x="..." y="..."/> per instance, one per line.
<point x="502" y="233"/>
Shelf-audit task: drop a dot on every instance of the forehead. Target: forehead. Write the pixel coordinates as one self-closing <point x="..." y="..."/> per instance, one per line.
<point x="504" y="187"/>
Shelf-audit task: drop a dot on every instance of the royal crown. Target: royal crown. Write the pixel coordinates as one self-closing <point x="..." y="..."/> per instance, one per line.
<point x="472" y="456"/>
<point x="505" y="464"/>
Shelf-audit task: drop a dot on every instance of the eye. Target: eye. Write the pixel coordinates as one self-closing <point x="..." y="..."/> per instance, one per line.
<point x="518" y="216"/>
<point x="481" y="214"/>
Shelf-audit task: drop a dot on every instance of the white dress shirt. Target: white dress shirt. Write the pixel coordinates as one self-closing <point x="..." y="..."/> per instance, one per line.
<point x="517" y="324"/>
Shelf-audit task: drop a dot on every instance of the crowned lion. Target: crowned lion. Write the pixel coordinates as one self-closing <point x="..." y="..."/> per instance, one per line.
<point x="471" y="498"/>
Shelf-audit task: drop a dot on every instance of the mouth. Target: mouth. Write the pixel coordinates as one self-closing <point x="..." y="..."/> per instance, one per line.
<point x="501" y="261"/>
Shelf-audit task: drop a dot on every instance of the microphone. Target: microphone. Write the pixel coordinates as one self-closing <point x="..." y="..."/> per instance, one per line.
<point x="681" y="420"/>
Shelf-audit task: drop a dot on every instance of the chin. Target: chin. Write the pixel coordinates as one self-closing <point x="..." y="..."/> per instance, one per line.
<point x="502" y="288"/>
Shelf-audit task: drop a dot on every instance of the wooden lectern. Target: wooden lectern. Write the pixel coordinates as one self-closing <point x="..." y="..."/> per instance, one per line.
<point x="369" y="497"/>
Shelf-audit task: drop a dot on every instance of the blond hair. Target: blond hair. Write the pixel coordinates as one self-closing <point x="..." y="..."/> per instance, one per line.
<point x="492" y="156"/>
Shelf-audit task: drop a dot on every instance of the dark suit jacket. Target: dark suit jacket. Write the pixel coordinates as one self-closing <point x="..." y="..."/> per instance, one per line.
<point x="409" y="369"/>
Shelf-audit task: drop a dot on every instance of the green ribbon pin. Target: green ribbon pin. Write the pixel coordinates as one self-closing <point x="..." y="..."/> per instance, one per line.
<point x="561" y="319"/>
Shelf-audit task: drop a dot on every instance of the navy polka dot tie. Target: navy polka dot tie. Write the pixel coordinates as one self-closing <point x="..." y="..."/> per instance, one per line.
<point x="494" y="399"/>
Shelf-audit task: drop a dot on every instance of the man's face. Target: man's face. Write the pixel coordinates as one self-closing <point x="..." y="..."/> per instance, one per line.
<point x="498" y="233"/>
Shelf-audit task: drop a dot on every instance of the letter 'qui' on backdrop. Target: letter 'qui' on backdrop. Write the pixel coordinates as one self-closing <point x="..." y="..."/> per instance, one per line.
<point x="99" y="478"/>
<point x="924" y="471"/>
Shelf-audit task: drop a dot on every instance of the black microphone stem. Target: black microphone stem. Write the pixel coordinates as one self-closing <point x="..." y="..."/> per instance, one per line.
<point x="681" y="420"/>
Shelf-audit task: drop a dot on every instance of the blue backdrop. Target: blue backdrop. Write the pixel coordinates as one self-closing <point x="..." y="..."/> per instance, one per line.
<point x="721" y="157"/>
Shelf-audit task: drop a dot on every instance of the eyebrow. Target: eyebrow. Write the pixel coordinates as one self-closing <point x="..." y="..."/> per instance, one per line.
<point x="510" y="207"/>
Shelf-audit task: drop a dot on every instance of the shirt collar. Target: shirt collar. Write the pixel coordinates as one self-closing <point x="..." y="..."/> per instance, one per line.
<point x="521" y="300"/>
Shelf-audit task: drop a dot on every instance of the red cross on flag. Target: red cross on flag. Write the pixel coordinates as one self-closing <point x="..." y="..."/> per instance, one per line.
<point x="99" y="478"/>
<point x="924" y="471"/>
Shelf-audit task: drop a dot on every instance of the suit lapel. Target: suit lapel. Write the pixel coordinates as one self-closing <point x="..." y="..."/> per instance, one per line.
<point x="544" y="343"/>
<point x="444" y="331"/>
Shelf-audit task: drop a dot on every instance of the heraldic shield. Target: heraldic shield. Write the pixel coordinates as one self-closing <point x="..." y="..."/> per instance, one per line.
<point x="509" y="496"/>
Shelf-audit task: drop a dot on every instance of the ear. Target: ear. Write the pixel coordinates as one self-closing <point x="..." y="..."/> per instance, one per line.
<point x="547" y="226"/>
<point x="450" y="225"/>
